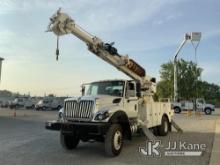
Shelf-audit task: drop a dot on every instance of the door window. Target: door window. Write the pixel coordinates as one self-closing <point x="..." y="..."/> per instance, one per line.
<point x="130" y="89"/>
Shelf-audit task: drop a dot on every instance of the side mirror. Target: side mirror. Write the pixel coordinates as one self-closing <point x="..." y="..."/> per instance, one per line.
<point x="138" y="89"/>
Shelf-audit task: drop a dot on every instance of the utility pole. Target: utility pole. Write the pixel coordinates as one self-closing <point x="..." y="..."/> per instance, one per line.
<point x="1" y="59"/>
<point x="193" y="37"/>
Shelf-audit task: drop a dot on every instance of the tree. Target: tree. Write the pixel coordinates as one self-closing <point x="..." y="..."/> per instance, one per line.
<point x="209" y="91"/>
<point x="188" y="84"/>
<point x="187" y="76"/>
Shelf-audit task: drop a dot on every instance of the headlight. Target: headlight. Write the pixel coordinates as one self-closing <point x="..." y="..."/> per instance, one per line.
<point x="60" y="116"/>
<point x="102" y="115"/>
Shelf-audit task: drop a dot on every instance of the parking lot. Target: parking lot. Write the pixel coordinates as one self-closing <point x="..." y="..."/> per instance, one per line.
<point x="24" y="140"/>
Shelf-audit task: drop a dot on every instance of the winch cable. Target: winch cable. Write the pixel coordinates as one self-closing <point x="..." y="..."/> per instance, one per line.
<point x="195" y="46"/>
<point x="57" y="49"/>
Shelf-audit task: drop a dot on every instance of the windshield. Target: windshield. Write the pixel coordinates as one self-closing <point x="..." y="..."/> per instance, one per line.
<point x="112" y="88"/>
<point x="201" y="101"/>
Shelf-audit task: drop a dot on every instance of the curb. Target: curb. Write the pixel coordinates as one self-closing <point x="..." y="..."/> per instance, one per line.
<point x="215" y="155"/>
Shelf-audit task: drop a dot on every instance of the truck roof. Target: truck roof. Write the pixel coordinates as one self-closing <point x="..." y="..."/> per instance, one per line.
<point x="108" y="80"/>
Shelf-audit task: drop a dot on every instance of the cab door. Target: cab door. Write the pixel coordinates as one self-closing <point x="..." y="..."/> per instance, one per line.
<point x="131" y="100"/>
<point x="199" y="104"/>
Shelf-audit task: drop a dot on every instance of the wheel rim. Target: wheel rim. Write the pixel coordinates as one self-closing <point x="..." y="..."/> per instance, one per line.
<point x="117" y="140"/>
<point x="176" y="110"/>
<point x="207" y="111"/>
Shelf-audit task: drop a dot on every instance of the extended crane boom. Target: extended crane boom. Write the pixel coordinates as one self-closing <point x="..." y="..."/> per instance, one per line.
<point x="62" y="24"/>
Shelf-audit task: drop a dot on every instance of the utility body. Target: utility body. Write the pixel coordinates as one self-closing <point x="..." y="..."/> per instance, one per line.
<point x="109" y="111"/>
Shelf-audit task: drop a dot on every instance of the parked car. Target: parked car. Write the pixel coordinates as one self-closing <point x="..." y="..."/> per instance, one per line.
<point x="4" y="104"/>
<point x="29" y="104"/>
<point x="17" y="103"/>
<point x="25" y="102"/>
<point x="46" y="104"/>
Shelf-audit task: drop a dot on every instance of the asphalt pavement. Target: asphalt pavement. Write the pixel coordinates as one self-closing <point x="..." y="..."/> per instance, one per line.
<point x="25" y="141"/>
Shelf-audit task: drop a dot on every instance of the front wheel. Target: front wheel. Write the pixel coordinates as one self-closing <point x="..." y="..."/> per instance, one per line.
<point x="69" y="141"/>
<point x="114" y="140"/>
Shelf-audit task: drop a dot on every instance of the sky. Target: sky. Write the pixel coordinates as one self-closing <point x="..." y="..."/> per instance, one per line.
<point x="149" y="31"/>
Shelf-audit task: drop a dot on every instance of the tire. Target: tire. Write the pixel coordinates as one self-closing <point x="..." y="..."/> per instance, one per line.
<point x="155" y="131"/>
<point x="114" y="140"/>
<point x="177" y="110"/>
<point x="164" y="128"/>
<point x="69" y="141"/>
<point x="44" y="108"/>
<point x="208" y="111"/>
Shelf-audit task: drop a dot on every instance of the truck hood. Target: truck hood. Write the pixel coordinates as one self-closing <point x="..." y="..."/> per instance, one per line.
<point x="106" y="100"/>
<point x="100" y="100"/>
<point x="210" y="105"/>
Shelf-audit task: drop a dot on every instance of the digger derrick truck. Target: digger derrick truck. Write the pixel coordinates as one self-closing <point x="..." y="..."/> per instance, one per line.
<point x="109" y="111"/>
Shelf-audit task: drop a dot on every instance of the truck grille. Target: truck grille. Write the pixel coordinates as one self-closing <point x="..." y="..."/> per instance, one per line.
<point x="79" y="110"/>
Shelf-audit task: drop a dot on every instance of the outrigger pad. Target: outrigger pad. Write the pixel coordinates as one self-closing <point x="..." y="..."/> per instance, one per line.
<point x="175" y="125"/>
<point x="148" y="133"/>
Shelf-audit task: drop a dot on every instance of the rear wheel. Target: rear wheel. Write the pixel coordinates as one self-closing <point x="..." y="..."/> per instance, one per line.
<point x="208" y="111"/>
<point x="114" y="140"/>
<point x="163" y="129"/>
<point x="69" y="141"/>
<point x="177" y="110"/>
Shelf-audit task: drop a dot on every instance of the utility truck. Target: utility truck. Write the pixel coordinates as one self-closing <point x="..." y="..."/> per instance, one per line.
<point x="198" y="104"/>
<point x="109" y="111"/>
